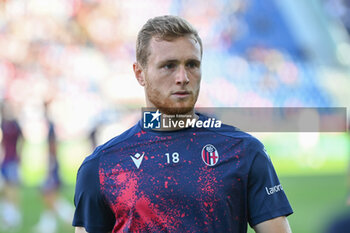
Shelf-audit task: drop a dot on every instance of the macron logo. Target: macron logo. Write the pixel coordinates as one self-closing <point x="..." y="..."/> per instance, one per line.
<point x="137" y="159"/>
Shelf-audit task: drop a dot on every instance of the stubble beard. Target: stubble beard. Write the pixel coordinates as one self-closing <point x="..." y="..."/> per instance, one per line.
<point x="168" y="106"/>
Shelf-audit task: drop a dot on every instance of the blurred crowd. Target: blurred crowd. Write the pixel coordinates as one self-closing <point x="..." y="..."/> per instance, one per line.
<point x="77" y="54"/>
<point x="339" y="10"/>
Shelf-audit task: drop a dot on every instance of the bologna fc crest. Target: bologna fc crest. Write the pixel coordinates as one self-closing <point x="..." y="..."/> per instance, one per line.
<point x="210" y="155"/>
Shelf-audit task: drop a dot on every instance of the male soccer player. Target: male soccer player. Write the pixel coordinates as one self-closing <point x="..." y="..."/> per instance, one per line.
<point x="55" y="205"/>
<point x="11" y="143"/>
<point x="172" y="179"/>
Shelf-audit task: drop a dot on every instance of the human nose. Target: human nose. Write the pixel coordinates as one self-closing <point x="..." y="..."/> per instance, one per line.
<point x="182" y="76"/>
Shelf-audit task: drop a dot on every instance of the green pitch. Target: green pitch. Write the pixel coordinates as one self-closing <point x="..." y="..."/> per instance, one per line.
<point x="315" y="199"/>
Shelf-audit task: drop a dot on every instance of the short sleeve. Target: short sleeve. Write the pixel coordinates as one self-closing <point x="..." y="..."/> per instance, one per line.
<point x="92" y="211"/>
<point x="266" y="197"/>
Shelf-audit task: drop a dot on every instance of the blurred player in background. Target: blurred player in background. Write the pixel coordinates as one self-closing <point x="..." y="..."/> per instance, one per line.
<point x="177" y="180"/>
<point x="93" y="137"/>
<point x="12" y="139"/>
<point x="55" y="205"/>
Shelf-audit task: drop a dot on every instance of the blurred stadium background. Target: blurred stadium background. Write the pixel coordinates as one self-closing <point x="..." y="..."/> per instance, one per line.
<point x="78" y="55"/>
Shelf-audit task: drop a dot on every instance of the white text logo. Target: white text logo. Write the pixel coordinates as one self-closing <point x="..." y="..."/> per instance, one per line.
<point x="273" y="189"/>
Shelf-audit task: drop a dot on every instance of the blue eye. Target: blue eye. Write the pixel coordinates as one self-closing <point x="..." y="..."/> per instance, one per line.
<point x="169" y="66"/>
<point x="192" y="64"/>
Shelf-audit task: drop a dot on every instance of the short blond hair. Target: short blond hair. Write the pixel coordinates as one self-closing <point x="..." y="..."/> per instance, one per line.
<point x="165" y="27"/>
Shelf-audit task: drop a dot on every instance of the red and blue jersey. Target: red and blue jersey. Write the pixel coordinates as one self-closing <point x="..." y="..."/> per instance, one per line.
<point x="11" y="134"/>
<point x="190" y="180"/>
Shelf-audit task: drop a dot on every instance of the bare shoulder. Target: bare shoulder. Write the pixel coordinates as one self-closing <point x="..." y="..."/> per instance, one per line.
<point x="275" y="225"/>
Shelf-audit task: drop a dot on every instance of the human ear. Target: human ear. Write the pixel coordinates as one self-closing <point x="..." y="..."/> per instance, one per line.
<point x="139" y="73"/>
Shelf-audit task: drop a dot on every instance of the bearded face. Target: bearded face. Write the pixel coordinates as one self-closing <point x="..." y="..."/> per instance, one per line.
<point x="172" y="76"/>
